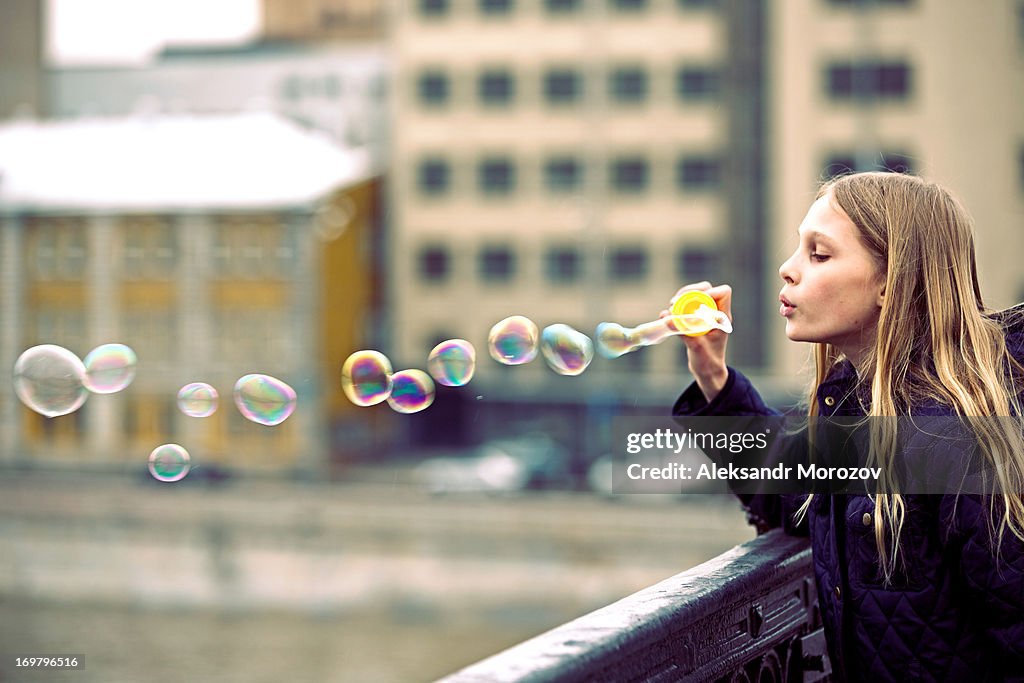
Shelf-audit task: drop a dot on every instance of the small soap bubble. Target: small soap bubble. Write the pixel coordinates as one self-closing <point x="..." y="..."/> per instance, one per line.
<point x="169" y="462"/>
<point x="566" y="350"/>
<point x="613" y="340"/>
<point x="366" y="378"/>
<point x="513" y="341"/>
<point x="452" y="362"/>
<point x="109" y="368"/>
<point x="264" y="399"/>
<point x="197" y="399"/>
<point x="50" y="380"/>
<point x="411" y="391"/>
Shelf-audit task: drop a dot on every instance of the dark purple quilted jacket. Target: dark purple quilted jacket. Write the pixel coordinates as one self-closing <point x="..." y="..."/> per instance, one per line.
<point x="951" y="611"/>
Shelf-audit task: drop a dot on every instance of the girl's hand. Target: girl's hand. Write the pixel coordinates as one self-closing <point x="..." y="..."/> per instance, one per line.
<point x="706" y="354"/>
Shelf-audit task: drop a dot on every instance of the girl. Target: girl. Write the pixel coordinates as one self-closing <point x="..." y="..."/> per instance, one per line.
<point x="883" y="284"/>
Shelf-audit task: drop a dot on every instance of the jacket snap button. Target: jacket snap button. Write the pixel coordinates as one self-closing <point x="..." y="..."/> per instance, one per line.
<point x="838" y="592"/>
<point x="867" y="519"/>
<point x="829" y="401"/>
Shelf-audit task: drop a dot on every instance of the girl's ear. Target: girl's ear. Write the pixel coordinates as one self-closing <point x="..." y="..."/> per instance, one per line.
<point x="880" y="298"/>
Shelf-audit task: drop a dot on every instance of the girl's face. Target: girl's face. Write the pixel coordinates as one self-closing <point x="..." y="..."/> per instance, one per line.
<point x="833" y="290"/>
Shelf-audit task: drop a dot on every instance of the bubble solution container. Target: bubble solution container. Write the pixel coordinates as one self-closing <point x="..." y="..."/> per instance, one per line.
<point x="688" y="317"/>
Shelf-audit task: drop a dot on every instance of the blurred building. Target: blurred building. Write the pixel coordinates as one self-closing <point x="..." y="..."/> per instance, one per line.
<point x="215" y="247"/>
<point x="324" y="20"/>
<point x="21" y="58"/>
<point x="574" y="161"/>
<point x="339" y="89"/>
<point x="577" y="160"/>
<point x="925" y="86"/>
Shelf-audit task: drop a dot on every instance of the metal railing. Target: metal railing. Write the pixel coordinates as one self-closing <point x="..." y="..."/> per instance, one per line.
<point x="750" y="614"/>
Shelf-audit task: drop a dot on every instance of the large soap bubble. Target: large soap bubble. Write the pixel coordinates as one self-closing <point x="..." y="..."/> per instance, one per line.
<point x="50" y="380"/>
<point x="366" y="378"/>
<point x="109" y="368"/>
<point x="264" y="399"/>
<point x="452" y="362"/>
<point x="513" y="341"/>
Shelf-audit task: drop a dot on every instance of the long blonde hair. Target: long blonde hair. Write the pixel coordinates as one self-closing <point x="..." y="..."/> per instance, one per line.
<point x="935" y="340"/>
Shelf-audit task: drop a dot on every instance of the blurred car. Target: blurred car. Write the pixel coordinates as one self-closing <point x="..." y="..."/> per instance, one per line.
<point x="532" y="461"/>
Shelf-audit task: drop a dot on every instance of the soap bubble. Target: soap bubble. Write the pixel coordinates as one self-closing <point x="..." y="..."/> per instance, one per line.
<point x="50" y="380"/>
<point x="411" y="391"/>
<point x="613" y="340"/>
<point x="566" y="350"/>
<point x="366" y="378"/>
<point x="513" y="341"/>
<point x="264" y="399"/>
<point x="452" y="362"/>
<point x="169" y="462"/>
<point x="109" y="368"/>
<point x="197" y="399"/>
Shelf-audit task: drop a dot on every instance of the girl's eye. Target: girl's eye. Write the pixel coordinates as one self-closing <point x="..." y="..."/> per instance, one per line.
<point x="820" y="258"/>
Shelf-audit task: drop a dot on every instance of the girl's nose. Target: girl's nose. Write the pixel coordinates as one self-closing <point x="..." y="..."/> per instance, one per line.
<point x="787" y="272"/>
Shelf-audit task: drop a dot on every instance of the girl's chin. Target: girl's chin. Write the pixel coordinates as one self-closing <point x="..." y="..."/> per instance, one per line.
<point x="794" y="334"/>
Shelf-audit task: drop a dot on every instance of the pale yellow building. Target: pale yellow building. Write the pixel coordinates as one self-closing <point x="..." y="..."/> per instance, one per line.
<point x="928" y="85"/>
<point x="215" y="247"/>
<point x="572" y="161"/>
<point x="576" y="160"/>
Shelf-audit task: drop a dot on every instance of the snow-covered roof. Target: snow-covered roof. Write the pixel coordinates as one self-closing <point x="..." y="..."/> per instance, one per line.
<point x="241" y="161"/>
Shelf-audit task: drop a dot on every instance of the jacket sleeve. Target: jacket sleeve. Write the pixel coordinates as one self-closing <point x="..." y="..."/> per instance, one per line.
<point x="738" y="397"/>
<point x="993" y="575"/>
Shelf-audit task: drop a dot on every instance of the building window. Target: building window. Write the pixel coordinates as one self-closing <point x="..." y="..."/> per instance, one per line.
<point x="434" y="176"/>
<point x="496" y="87"/>
<point x="563" y="86"/>
<point x="696" y="264"/>
<point x="628" y="84"/>
<point x="630" y="174"/>
<point x="695" y="83"/>
<point x="434" y="8"/>
<point x="563" y="264"/>
<point x="434" y="88"/>
<point x="497" y="264"/>
<point x="434" y="264"/>
<point x="868" y="3"/>
<point x="627" y="264"/>
<point x="844" y="163"/>
<point x="251" y="247"/>
<point x="150" y="248"/>
<point x="563" y="6"/>
<point x="868" y="80"/>
<point x="563" y="174"/>
<point x="698" y="174"/>
<point x="496" y="176"/>
<point x="1020" y="167"/>
<point x="495" y="6"/>
<point x="629" y="5"/>
<point x="58" y="248"/>
<point x="64" y="326"/>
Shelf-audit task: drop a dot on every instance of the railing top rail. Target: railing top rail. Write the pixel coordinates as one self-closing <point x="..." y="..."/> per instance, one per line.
<point x="638" y="632"/>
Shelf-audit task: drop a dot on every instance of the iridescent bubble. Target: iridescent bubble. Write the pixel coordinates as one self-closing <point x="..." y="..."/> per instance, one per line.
<point x="566" y="350"/>
<point x="613" y="340"/>
<point x="452" y="362"/>
<point x="169" y="462"/>
<point x="411" y="391"/>
<point x="50" y="380"/>
<point x="366" y="377"/>
<point x="264" y="399"/>
<point x="197" y="399"/>
<point x="513" y="341"/>
<point x="109" y="368"/>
